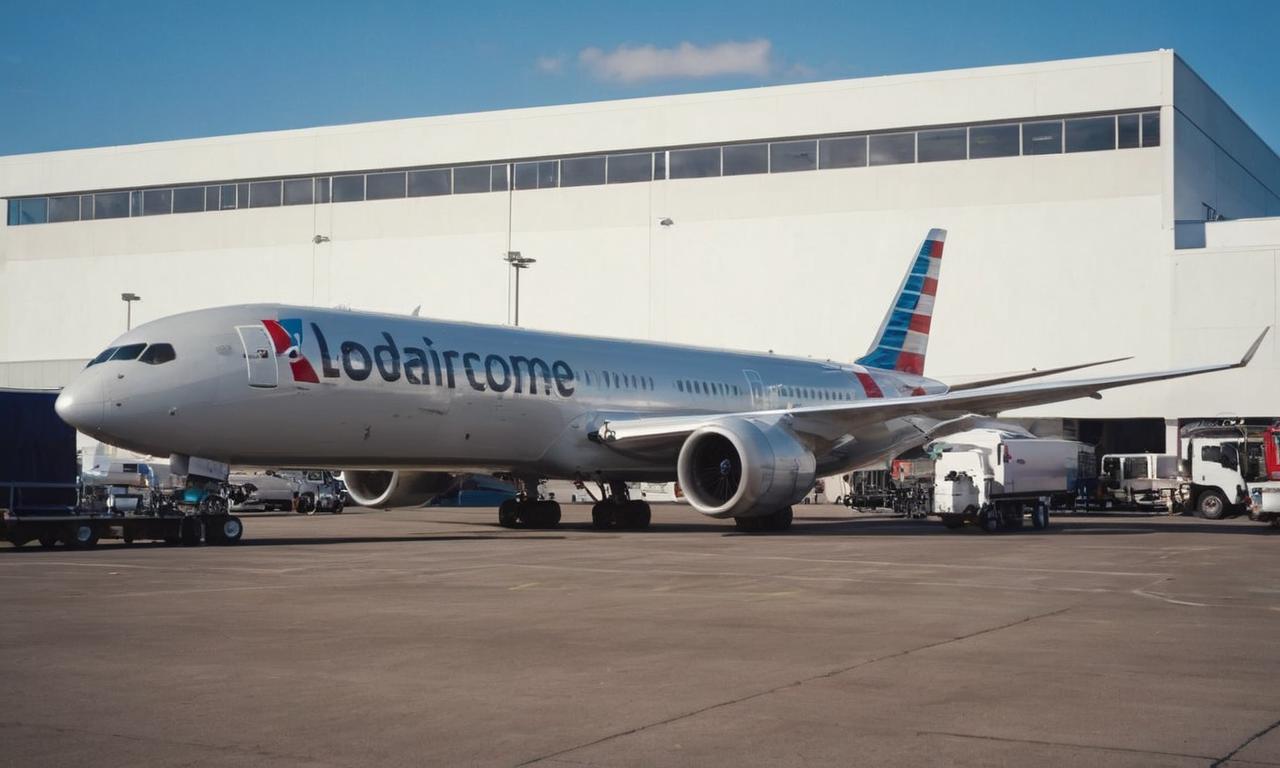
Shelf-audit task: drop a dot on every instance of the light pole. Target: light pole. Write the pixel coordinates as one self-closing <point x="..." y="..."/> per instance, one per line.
<point x="128" y="299"/>
<point x="518" y="263"/>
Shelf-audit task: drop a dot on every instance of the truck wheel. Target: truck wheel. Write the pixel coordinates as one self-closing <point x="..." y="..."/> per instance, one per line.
<point x="81" y="535"/>
<point x="47" y="540"/>
<point x="307" y="504"/>
<point x="1275" y="522"/>
<point x="953" y="522"/>
<point x="230" y="530"/>
<point x="1212" y="505"/>
<point x="1040" y="517"/>
<point x="989" y="520"/>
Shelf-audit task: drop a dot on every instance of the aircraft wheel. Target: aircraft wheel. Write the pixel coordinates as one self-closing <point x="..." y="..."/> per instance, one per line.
<point x="540" y="514"/>
<point x="953" y="522"/>
<point x="749" y="524"/>
<point x="509" y="513"/>
<point x="779" y="521"/>
<point x="635" y="515"/>
<point x="602" y="515"/>
<point x="1212" y="505"/>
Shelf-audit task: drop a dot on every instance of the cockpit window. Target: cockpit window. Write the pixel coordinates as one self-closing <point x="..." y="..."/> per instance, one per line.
<point x="157" y="354"/>
<point x="128" y="352"/>
<point x="103" y="356"/>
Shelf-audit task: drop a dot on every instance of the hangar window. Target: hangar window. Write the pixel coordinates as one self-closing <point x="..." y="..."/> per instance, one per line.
<point x="12" y="219"/>
<point x="384" y="186"/>
<point x="135" y="203"/>
<point x="264" y="194"/>
<point x="157" y="201"/>
<point x="994" y="141"/>
<point x="322" y="189"/>
<point x="298" y="191"/>
<point x="188" y="199"/>
<point x="581" y="171"/>
<point x="33" y="210"/>
<point x="470" y="179"/>
<point x="741" y="159"/>
<point x="659" y="165"/>
<point x="622" y="169"/>
<point x="498" y="178"/>
<point x="548" y="174"/>
<point x="694" y="163"/>
<point x="943" y="144"/>
<point x="526" y="176"/>
<point x="64" y="208"/>
<point x="1090" y="134"/>
<point x="86" y="207"/>
<point x="1042" y="138"/>
<point x="128" y="352"/>
<point x="1151" y="129"/>
<point x="111" y="205"/>
<point x="892" y="148"/>
<point x="434" y="182"/>
<point x="347" y="189"/>
<point x="848" y="152"/>
<point x="227" y="197"/>
<point x="1127" y="133"/>
<point x="158" y="354"/>
<point x="242" y="196"/>
<point x="785" y="156"/>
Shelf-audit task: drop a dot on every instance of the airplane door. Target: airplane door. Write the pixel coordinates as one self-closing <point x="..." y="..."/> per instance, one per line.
<point x="259" y="355"/>
<point x="756" y="386"/>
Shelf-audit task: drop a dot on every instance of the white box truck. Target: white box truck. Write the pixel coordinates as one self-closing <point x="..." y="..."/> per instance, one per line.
<point x="996" y="478"/>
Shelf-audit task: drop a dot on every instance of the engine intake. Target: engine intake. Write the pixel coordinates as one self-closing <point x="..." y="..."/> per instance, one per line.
<point x="382" y="489"/>
<point x="739" y="468"/>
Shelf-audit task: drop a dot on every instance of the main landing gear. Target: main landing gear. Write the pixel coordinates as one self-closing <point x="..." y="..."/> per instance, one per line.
<point x="528" y="510"/>
<point x="619" y="510"/>
<point x="775" y="521"/>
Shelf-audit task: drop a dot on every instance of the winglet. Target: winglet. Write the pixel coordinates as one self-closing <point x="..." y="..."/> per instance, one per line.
<point x="1253" y="349"/>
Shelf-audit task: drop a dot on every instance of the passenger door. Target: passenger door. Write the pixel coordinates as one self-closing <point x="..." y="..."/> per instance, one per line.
<point x="259" y="355"/>
<point x="756" y="387"/>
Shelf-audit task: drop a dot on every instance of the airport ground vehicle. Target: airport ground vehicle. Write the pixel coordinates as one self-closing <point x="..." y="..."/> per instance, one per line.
<point x="994" y="478"/>
<point x="1222" y="462"/>
<point x="1143" y="481"/>
<point x="304" y="491"/>
<point x="1264" y="495"/>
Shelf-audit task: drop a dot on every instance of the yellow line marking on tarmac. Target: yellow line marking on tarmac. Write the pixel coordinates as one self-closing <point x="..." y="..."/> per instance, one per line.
<point x="524" y="586"/>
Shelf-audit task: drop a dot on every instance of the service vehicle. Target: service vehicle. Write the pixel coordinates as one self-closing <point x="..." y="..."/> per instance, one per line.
<point x="304" y="491"/>
<point x="1140" y="481"/>
<point x="994" y="478"/>
<point x="1220" y="462"/>
<point x="1264" y="496"/>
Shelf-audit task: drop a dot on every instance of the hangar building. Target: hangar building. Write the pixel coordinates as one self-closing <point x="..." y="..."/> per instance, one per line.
<point x="1097" y="208"/>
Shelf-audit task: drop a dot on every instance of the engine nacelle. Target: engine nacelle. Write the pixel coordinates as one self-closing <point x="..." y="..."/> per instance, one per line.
<point x="381" y="488"/>
<point x="738" y="468"/>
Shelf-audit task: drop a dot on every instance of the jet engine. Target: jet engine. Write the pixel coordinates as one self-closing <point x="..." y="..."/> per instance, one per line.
<point x="381" y="488"/>
<point x="740" y="468"/>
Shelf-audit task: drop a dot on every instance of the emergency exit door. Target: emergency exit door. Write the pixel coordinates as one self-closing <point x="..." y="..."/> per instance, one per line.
<point x="259" y="355"/>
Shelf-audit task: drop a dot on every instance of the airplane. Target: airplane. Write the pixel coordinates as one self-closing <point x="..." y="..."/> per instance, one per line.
<point x="402" y="404"/>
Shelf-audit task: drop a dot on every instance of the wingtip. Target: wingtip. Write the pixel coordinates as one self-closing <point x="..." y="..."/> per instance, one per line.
<point x="938" y="234"/>
<point x="1253" y="348"/>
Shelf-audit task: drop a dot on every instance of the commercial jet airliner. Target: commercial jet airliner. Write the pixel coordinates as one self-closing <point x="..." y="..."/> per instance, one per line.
<point x="403" y="404"/>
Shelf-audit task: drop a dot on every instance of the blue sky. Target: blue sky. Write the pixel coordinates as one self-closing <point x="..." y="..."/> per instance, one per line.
<point x="88" y="73"/>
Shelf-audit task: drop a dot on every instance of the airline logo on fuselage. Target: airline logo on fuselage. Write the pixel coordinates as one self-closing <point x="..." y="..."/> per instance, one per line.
<point x="426" y="366"/>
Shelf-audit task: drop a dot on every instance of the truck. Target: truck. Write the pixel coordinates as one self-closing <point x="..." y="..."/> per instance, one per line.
<point x="305" y="491"/>
<point x="996" y="478"/>
<point x="1220" y="462"/>
<point x="1140" y="481"/>
<point x="1264" y="495"/>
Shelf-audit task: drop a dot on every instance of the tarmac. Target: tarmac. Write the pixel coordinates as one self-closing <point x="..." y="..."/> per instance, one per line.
<point x="433" y="637"/>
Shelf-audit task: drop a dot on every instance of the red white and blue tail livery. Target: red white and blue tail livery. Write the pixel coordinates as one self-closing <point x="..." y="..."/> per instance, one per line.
<point x="903" y="339"/>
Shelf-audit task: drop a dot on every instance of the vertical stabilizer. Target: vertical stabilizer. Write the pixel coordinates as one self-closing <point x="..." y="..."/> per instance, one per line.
<point x="903" y="339"/>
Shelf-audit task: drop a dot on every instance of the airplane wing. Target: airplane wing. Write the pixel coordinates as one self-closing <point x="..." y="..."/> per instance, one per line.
<point x="1030" y="375"/>
<point x="827" y="422"/>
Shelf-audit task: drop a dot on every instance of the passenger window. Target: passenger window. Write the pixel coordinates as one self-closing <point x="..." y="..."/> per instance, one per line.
<point x="128" y="352"/>
<point x="679" y="385"/>
<point x="157" y="354"/>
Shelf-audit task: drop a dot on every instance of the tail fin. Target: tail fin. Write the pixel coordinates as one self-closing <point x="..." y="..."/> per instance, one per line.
<point x="904" y="334"/>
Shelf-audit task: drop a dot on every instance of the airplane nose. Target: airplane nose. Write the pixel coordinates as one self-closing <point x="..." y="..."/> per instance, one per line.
<point x="78" y="406"/>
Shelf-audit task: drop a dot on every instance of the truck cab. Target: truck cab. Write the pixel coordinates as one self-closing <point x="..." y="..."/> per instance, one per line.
<point x="1221" y="464"/>
<point x="1139" y="480"/>
<point x="1264" y="496"/>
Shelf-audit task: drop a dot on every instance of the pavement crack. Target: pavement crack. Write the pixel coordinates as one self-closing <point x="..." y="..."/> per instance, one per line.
<point x="1223" y="760"/>
<point x="1068" y="744"/>
<point x="795" y="684"/>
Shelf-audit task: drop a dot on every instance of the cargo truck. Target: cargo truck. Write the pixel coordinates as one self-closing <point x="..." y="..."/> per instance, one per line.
<point x="998" y="478"/>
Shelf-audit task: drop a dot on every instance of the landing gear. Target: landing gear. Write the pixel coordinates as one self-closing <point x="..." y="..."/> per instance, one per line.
<point x="773" y="522"/>
<point x="621" y="511"/>
<point x="527" y="510"/>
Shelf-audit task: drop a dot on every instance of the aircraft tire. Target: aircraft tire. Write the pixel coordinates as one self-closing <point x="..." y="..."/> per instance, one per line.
<point x="509" y="513"/>
<point x="953" y="522"/>
<point x="602" y="515"/>
<point x="779" y="521"/>
<point x="635" y="515"/>
<point x="540" y="514"/>
<point x="749" y="524"/>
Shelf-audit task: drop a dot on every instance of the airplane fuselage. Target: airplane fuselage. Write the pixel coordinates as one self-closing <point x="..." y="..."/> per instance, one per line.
<point x="273" y="385"/>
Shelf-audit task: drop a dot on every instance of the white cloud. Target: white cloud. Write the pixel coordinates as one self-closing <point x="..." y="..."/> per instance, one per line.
<point x="551" y="65"/>
<point x="630" y="64"/>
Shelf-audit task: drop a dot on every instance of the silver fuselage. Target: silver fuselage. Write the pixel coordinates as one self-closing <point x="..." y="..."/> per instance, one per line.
<point x="397" y="392"/>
